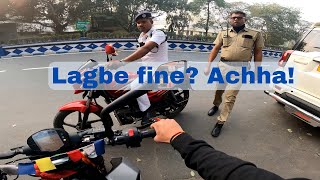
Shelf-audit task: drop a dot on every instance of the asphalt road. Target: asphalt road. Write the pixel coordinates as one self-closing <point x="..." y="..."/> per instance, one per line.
<point x="259" y="130"/>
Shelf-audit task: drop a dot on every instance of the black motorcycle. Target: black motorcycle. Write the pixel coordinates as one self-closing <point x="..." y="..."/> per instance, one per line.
<point x="55" y="154"/>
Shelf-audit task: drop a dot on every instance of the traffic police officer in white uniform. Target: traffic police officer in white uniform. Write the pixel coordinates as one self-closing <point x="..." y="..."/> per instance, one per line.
<point x="153" y="47"/>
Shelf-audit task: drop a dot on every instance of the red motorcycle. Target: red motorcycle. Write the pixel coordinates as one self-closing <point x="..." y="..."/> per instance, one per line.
<point x="82" y="114"/>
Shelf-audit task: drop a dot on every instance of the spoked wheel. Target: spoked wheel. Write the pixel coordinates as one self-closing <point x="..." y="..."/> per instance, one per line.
<point x="177" y="102"/>
<point x="71" y="120"/>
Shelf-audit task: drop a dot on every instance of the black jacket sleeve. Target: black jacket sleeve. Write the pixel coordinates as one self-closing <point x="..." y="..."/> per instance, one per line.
<point x="212" y="164"/>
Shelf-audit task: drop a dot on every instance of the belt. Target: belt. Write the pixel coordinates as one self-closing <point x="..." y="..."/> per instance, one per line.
<point x="235" y="63"/>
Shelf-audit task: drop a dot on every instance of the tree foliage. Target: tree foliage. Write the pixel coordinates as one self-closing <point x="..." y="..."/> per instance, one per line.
<point x="56" y="14"/>
<point x="278" y="23"/>
<point x="180" y="16"/>
<point x="208" y="8"/>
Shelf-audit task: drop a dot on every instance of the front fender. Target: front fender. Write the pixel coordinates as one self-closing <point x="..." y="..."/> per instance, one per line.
<point x="80" y="105"/>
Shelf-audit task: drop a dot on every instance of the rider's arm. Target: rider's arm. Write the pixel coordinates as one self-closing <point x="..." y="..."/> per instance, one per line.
<point x="157" y="38"/>
<point x="142" y="51"/>
<point x="213" y="164"/>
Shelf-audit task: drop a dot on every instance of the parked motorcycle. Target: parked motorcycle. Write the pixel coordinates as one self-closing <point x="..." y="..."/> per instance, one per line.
<point x="83" y="113"/>
<point x="55" y="154"/>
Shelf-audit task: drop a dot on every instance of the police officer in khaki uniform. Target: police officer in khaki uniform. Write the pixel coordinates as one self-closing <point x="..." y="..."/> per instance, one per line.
<point x="236" y="44"/>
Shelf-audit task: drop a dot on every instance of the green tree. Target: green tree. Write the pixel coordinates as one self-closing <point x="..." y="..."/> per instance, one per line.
<point x="208" y="7"/>
<point x="126" y="10"/>
<point x="179" y="15"/>
<point x="52" y="13"/>
<point x="279" y="24"/>
<point x="221" y="14"/>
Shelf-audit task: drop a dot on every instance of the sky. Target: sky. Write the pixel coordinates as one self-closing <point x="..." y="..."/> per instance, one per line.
<point x="309" y="8"/>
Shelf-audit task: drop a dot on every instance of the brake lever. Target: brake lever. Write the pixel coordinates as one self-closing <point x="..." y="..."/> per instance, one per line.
<point x="152" y="120"/>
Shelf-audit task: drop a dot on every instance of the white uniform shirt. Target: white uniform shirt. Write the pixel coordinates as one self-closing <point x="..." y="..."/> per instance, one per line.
<point x="157" y="54"/>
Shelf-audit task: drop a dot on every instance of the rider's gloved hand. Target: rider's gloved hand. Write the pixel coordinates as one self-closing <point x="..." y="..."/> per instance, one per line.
<point x="167" y="130"/>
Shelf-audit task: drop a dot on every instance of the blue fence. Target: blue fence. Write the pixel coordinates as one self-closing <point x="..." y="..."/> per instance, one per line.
<point x="98" y="45"/>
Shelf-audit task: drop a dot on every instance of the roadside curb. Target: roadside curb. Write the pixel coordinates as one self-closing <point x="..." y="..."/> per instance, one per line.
<point x="98" y="45"/>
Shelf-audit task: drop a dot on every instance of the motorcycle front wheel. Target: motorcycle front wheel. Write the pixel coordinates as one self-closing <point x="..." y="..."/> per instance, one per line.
<point x="71" y="121"/>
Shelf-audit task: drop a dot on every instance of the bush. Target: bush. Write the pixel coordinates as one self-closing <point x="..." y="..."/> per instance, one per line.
<point x="12" y="42"/>
<point x="75" y="36"/>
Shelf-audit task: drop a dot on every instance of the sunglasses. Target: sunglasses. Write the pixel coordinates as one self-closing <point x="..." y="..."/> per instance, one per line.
<point x="240" y="18"/>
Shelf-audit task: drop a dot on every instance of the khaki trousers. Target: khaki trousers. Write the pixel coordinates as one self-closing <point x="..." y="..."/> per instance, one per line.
<point x="230" y="91"/>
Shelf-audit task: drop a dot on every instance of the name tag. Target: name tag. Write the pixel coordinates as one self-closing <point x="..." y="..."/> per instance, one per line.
<point x="247" y="36"/>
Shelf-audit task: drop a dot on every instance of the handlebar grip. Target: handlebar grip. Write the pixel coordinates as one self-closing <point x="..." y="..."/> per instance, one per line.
<point x="8" y="155"/>
<point x="9" y="169"/>
<point x="148" y="133"/>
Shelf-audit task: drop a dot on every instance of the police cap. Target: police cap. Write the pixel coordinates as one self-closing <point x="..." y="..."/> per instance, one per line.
<point x="143" y="14"/>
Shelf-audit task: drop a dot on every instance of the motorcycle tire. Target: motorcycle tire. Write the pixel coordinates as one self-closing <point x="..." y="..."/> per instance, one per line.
<point x="59" y="120"/>
<point x="175" y="108"/>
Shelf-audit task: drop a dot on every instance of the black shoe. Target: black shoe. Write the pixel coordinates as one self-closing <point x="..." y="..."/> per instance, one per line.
<point x="216" y="130"/>
<point x="212" y="111"/>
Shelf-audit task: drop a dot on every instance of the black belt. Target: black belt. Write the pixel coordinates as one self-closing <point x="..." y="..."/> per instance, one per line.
<point x="235" y="63"/>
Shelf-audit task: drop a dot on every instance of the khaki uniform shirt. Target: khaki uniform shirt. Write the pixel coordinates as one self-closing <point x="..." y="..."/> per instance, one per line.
<point x="239" y="46"/>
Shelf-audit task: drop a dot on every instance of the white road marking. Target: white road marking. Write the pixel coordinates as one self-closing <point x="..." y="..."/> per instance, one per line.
<point x="28" y="69"/>
<point x="3" y="71"/>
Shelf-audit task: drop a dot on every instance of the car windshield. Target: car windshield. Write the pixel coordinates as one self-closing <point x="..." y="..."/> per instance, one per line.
<point x="311" y="43"/>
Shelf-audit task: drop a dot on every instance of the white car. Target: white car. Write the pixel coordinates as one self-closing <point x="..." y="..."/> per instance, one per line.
<point x="302" y="99"/>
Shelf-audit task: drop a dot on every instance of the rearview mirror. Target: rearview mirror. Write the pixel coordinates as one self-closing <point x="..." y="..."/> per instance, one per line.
<point x="110" y="50"/>
<point x="88" y="65"/>
<point x="49" y="140"/>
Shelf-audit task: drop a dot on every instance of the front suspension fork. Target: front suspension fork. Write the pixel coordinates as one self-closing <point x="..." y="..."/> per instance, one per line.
<point x="83" y="121"/>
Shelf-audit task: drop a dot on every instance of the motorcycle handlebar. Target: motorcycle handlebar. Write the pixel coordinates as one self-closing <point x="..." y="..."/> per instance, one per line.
<point x="130" y="137"/>
<point x="8" y="155"/>
<point x="151" y="133"/>
<point x="8" y="170"/>
<point x="15" y="151"/>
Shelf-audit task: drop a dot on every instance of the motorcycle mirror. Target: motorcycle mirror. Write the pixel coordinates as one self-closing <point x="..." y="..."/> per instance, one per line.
<point x="110" y="50"/>
<point x="49" y="140"/>
<point x="88" y="65"/>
